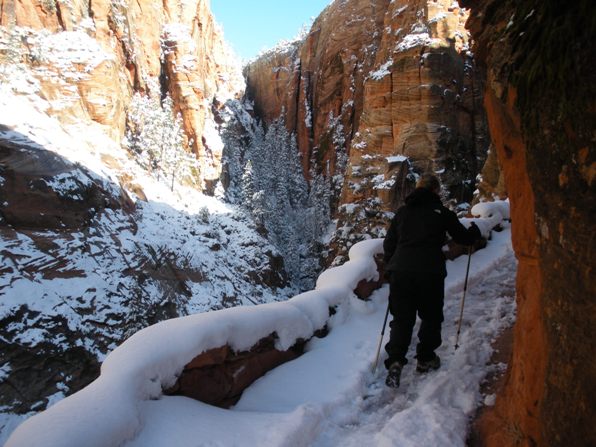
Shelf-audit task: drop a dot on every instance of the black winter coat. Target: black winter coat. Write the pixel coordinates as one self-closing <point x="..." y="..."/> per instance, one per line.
<point x="418" y="232"/>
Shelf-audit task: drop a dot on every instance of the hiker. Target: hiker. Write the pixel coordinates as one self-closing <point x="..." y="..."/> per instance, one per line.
<point x="415" y="263"/>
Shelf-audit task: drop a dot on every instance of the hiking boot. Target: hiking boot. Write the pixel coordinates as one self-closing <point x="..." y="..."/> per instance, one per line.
<point x="394" y="374"/>
<point x="425" y="366"/>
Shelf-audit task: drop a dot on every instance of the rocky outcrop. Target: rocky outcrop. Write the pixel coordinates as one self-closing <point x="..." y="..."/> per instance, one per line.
<point x="90" y="57"/>
<point x="491" y="182"/>
<point x="422" y="102"/>
<point x="38" y="372"/>
<point x="220" y="375"/>
<point x="421" y="113"/>
<point x="41" y="191"/>
<point x="392" y="84"/>
<point x="541" y="105"/>
<point x="80" y="270"/>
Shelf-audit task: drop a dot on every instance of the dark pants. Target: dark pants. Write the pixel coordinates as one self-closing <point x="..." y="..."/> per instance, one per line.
<point x="414" y="293"/>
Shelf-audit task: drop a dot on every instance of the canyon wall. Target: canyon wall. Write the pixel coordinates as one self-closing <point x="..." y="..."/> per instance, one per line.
<point x="390" y="83"/>
<point x="540" y="100"/>
<point x="318" y="83"/>
<point x="173" y="45"/>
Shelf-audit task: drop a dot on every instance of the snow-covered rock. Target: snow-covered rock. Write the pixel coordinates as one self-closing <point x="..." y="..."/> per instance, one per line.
<point x="490" y="209"/>
<point x="107" y="411"/>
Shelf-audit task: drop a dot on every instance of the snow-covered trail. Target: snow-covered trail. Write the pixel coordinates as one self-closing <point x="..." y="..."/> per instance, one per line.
<point x="329" y="396"/>
<point x="423" y="410"/>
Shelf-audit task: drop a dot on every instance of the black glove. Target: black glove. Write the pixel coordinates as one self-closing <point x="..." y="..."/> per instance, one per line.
<point x="387" y="276"/>
<point x="475" y="231"/>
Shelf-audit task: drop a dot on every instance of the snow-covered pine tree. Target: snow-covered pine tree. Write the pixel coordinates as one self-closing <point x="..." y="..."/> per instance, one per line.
<point x="239" y="131"/>
<point x="155" y="137"/>
<point x="278" y="196"/>
<point x="248" y="187"/>
<point x="341" y="161"/>
<point x="319" y="200"/>
<point x="297" y="184"/>
<point x="264" y="173"/>
<point x="233" y="165"/>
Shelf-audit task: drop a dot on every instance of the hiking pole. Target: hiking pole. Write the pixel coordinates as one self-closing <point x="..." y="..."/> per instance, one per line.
<point x="381" y="339"/>
<point x="463" y="299"/>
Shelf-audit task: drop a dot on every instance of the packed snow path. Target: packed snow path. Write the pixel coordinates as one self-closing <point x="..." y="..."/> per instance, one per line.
<point x="330" y="397"/>
<point x="431" y="409"/>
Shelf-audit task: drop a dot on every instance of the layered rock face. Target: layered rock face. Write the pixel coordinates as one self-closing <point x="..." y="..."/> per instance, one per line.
<point x="318" y="83"/>
<point x="33" y="200"/>
<point x="391" y="83"/>
<point x="174" y="44"/>
<point x="541" y="105"/>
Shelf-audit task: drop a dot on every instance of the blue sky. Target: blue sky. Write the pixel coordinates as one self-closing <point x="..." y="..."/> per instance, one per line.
<point x="250" y="26"/>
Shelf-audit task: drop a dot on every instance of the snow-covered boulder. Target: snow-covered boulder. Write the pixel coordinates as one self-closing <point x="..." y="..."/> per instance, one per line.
<point x="484" y="224"/>
<point x="490" y="209"/>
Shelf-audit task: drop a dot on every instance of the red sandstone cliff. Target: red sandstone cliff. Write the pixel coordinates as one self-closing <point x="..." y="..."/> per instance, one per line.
<point x="541" y="105"/>
<point x="391" y="83"/>
<point x="176" y="44"/>
<point x="319" y="83"/>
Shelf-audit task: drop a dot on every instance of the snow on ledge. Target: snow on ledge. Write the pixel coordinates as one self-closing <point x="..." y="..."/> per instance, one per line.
<point x="488" y="209"/>
<point x="488" y="215"/>
<point x="396" y="159"/>
<point x="106" y="412"/>
<point x="383" y="71"/>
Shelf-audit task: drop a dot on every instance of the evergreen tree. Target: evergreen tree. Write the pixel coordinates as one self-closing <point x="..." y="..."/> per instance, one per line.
<point x="274" y="190"/>
<point x="155" y="136"/>
<point x="248" y="187"/>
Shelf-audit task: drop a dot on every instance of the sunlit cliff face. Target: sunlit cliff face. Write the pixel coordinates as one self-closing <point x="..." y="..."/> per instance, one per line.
<point x="90" y="58"/>
<point x="392" y="85"/>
